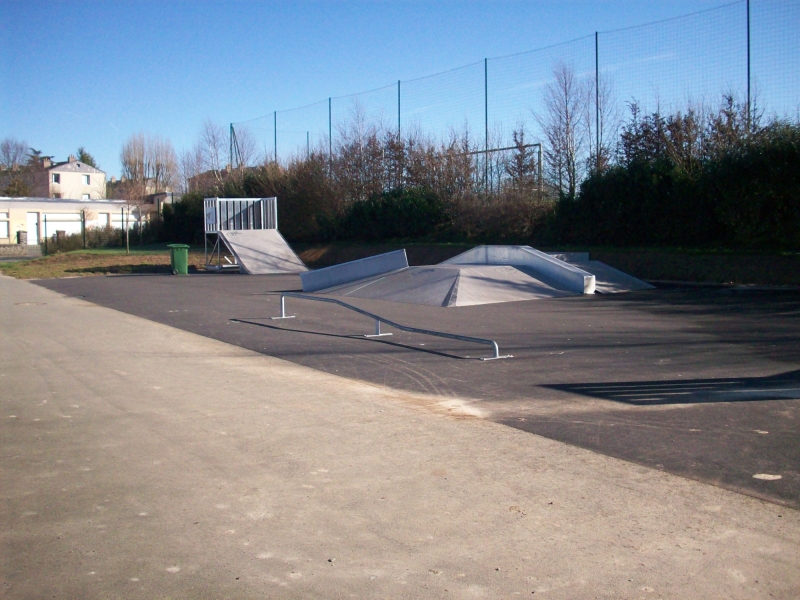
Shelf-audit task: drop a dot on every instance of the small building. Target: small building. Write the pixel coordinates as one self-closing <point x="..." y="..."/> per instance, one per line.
<point x="70" y="179"/>
<point x="40" y="217"/>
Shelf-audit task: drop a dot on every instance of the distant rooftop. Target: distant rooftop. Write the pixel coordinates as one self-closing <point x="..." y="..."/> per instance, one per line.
<point x="61" y="200"/>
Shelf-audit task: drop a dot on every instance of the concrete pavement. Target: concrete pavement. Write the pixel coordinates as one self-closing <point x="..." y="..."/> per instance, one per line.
<point x="142" y="461"/>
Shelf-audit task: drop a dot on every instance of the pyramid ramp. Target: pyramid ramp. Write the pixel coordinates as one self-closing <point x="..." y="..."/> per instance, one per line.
<point x="492" y="284"/>
<point x="556" y="273"/>
<point x="449" y="285"/>
<point x="262" y="252"/>
<point x="430" y="286"/>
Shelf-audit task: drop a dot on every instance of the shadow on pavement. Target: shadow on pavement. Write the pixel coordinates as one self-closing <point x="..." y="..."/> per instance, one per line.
<point x="692" y="391"/>
<point x="353" y="336"/>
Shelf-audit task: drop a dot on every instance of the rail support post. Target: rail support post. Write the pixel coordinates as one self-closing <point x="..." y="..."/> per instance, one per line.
<point x="377" y="330"/>
<point x="283" y="310"/>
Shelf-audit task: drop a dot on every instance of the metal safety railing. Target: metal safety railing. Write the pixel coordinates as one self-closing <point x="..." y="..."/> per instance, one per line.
<point x="378" y="320"/>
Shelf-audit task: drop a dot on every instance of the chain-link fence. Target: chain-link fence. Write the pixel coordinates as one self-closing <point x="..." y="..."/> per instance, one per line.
<point x="748" y="50"/>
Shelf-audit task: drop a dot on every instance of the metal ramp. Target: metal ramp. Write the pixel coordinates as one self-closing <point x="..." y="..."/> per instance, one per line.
<point x="243" y="233"/>
<point x="482" y="275"/>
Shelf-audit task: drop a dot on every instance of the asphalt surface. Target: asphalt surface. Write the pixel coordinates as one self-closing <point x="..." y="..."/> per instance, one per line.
<point x="700" y="382"/>
<point x="141" y="461"/>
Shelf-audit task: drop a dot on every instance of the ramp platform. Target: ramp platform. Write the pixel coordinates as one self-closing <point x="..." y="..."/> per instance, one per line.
<point x="555" y="272"/>
<point x="354" y="270"/>
<point x="243" y="232"/>
<point x="262" y="251"/>
<point x="482" y="275"/>
<point x="449" y="285"/>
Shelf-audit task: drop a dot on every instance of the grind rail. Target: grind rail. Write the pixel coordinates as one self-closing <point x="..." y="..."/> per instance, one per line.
<point x="378" y="320"/>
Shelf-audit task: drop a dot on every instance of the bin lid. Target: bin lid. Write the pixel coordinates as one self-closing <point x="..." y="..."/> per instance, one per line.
<point x="178" y="246"/>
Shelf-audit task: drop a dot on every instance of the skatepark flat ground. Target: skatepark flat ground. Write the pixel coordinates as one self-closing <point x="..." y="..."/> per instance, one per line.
<point x="142" y="460"/>
<point x="657" y="377"/>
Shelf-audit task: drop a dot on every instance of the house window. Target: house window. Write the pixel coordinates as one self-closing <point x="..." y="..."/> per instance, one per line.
<point x="86" y="180"/>
<point x="4" y="225"/>
<point x="85" y="197"/>
<point x="56" y="178"/>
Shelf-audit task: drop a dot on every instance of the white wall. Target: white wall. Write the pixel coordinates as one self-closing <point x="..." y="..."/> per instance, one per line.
<point x="72" y="186"/>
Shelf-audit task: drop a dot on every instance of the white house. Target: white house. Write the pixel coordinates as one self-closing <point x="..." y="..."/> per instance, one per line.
<point x="71" y="179"/>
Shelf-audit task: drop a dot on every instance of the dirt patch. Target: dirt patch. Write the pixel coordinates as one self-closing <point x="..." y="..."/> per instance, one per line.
<point x="86" y="264"/>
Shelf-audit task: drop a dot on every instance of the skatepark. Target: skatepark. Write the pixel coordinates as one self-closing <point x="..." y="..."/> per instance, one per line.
<point x="167" y="436"/>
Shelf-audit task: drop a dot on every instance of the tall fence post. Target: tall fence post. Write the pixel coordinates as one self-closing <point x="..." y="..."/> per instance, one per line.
<point x="45" y="235"/>
<point x="748" y="67"/>
<point x="539" y="167"/>
<point x="330" y="139"/>
<point x="83" y="227"/>
<point x="230" y="141"/>
<point x="597" y="100"/>
<point x="486" y="123"/>
<point x="398" y="109"/>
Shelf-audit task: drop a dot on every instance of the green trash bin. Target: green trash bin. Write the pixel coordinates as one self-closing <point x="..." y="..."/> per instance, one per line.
<point x="179" y="258"/>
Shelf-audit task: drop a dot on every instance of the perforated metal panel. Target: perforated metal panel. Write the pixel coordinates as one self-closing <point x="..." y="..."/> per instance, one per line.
<point x="234" y="214"/>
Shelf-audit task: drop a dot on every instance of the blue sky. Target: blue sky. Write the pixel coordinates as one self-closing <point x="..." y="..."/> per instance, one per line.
<point x="93" y="73"/>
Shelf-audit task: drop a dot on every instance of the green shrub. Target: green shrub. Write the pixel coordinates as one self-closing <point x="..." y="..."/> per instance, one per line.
<point x="182" y="222"/>
<point x="402" y="213"/>
<point x="743" y="191"/>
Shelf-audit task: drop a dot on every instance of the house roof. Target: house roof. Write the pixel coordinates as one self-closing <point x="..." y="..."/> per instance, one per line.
<point x="31" y="200"/>
<point x="74" y="167"/>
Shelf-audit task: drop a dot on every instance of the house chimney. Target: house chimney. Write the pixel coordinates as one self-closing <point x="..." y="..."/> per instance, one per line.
<point x="113" y="179"/>
<point x="72" y="158"/>
<point x="46" y="162"/>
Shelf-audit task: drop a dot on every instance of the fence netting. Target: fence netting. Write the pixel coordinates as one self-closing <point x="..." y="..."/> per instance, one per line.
<point x="745" y="51"/>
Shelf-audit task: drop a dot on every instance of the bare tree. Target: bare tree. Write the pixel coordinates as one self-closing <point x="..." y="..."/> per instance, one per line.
<point x="564" y="127"/>
<point x="149" y="166"/>
<point x="161" y="165"/>
<point x="13" y="153"/>
<point x="213" y="147"/>
<point x="204" y="166"/>
<point x="190" y="166"/>
<point x="246" y="149"/>
<point x="602" y="122"/>
<point x="522" y="165"/>
<point x="15" y="176"/>
<point x="358" y="159"/>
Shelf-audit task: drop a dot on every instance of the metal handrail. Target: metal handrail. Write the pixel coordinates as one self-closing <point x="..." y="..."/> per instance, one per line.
<point x="379" y="320"/>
